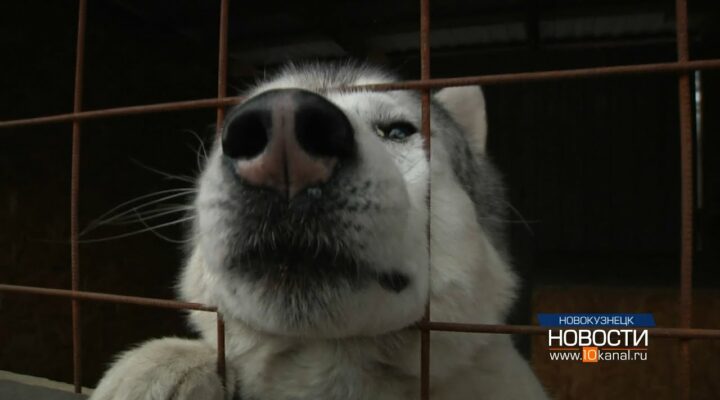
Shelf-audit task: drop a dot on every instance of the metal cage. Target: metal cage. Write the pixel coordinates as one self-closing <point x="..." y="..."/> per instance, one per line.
<point x="683" y="67"/>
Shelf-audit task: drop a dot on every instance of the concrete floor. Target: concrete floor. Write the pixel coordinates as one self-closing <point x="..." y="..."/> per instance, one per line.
<point x="10" y="390"/>
<point x="15" y="386"/>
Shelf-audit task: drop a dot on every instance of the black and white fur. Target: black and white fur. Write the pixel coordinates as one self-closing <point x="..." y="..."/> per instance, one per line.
<point x="340" y="327"/>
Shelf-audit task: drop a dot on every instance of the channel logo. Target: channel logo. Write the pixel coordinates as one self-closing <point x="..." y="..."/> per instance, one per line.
<point x="590" y="338"/>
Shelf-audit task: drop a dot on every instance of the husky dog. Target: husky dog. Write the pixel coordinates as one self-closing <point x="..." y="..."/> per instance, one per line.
<point x="310" y="237"/>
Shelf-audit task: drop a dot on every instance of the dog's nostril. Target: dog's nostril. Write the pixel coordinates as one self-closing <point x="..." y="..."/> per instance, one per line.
<point x="246" y="135"/>
<point x="322" y="129"/>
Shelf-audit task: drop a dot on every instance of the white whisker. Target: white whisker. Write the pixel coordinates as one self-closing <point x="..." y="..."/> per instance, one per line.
<point x="108" y="216"/>
<point x="153" y="230"/>
<point x="182" y="178"/>
<point x="155" y="213"/>
<point x="201" y="152"/>
<point x="522" y="219"/>
<point x="137" y="232"/>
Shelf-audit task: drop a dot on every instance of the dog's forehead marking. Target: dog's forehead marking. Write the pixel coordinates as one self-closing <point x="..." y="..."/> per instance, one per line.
<point x="323" y="78"/>
<point x="376" y="106"/>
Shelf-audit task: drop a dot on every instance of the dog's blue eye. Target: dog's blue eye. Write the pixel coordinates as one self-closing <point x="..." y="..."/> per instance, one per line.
<point x="396" y="131"/>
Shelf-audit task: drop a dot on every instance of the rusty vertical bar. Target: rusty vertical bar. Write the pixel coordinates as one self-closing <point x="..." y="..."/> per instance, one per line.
<point x="222" y="91"/>
<point x="425" y="110"/>
<point x="686" y="193"/>
<point x="221" y="349"/>
<point x="74" y="196"/>
<point x="425" y="71"/>
<point x="222" y="60"/>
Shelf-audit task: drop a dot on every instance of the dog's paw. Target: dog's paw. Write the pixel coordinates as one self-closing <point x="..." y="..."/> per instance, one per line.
<point x="164" y="369"/>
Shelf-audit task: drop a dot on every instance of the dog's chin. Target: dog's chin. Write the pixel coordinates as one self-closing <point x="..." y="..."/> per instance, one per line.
<point x="319" y="292"/>
<point x="347" y="317"/>
<point x="298" y="268"/>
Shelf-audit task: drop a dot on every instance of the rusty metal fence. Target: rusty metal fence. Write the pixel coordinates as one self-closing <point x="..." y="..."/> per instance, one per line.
<point x="682" y="68"/>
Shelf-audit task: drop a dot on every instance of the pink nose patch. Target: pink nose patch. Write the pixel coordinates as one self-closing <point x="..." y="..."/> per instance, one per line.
<point x="284" y="165"/>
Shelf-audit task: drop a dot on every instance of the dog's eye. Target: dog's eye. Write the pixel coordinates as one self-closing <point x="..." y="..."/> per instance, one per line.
<point x="397" y="131"/>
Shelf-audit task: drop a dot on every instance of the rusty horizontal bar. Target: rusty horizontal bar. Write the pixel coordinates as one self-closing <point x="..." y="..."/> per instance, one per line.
<point x="106" y="297"/>
<point x="482" y="328"/>
<point x="680" y="333"/>
<point x="406" y="85"/>
<point x="683" y="333"/>
<point x="545" y="75"/>
<point x="124" y="111"/>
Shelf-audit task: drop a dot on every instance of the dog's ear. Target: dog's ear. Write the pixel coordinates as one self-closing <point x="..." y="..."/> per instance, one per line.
<point x="466" y="105"/>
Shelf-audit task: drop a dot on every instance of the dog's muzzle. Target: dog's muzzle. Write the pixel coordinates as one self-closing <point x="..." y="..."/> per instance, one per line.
<point x="287" y="140"/>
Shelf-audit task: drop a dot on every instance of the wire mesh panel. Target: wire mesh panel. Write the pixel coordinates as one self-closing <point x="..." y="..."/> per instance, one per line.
<point x="683" y="67"/>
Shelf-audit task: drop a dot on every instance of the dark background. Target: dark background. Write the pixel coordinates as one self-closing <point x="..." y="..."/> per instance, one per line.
<point x="592" y="165"/>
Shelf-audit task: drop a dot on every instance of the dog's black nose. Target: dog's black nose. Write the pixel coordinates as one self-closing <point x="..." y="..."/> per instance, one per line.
<point x="287" y="139"/>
